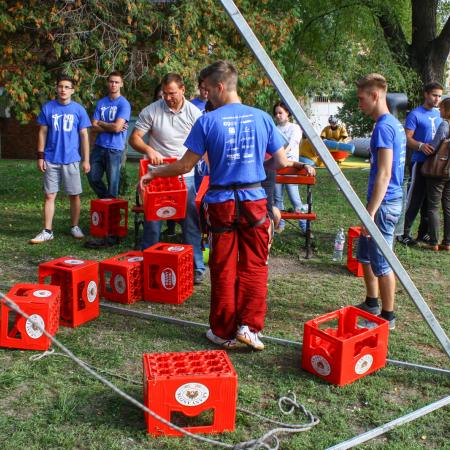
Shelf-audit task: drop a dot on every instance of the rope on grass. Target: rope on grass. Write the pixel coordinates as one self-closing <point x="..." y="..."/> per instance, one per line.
<point x="269" y="441"/>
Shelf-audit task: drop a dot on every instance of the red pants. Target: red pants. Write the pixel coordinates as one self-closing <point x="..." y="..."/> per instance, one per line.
<point x="238" y="267"/>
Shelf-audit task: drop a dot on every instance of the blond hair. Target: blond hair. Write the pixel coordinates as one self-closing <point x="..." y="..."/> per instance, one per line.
<point x="371" y="82"/>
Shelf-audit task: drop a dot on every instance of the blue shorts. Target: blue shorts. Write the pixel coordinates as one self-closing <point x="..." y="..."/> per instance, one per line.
<point x="386" y="219"/>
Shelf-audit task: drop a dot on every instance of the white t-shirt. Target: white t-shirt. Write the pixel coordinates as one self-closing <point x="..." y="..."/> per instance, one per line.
<point x="293" y="135"/>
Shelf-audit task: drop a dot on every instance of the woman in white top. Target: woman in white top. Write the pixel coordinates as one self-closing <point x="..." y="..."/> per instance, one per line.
<point x="293" y="134"/>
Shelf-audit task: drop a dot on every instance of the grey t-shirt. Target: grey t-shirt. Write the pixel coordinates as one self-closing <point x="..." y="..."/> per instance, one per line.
<point x="167" y="130"/>
<point x="442" y="133"/>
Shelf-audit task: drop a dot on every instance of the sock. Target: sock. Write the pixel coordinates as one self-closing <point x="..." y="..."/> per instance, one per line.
<point x="387" y="315"/>
<point x="48" y="231"/>
<point x="371" y="301"/>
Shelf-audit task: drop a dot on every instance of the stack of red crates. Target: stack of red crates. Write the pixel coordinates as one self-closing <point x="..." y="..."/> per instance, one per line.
<point x="109" y="217"/>
<point x="121" y="277"/>
<point x="185" y="385"/>
<point x="78" y="280"/>
<point x="41" y="303"/>
<point x="168" y="273"/>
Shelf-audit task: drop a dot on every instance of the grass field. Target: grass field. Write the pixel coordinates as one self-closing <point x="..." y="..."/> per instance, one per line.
<point x="52" y="404"/>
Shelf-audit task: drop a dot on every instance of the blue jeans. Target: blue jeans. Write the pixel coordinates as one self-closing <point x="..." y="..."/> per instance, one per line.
<point x="386" y="219"/>
<point x="104" y="160"/>
<point x="190" y="226"/>
<point x="294" y="197"/>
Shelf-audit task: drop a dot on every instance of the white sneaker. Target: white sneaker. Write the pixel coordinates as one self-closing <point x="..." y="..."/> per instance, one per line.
<point x="43" y="236"/>
<point x="226" y="343"/>
<point x="76" y="232"/>
<point x="248" y="337"/>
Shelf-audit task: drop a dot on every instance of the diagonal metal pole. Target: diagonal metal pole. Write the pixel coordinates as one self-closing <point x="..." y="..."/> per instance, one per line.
<point x="335" y="171"/>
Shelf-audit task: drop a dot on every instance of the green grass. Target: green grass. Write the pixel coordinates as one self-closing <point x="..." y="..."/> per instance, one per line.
<point x="52" y="404"/>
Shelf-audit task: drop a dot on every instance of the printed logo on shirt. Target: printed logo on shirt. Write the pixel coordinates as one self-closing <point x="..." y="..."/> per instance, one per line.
<point x="433" y="126"/>
<point x="68" y="120"/>
<point x="111" y="113"/>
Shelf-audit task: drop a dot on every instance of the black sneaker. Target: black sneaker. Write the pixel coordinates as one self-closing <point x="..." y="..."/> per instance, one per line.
<point x="375" y="310"/>
<point x="407" y="240"/>
<point x="426" y="238"/>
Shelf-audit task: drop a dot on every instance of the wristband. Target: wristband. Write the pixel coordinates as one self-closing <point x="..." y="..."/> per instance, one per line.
<point x="39" y="155"/>
<point x="420" y="146"/>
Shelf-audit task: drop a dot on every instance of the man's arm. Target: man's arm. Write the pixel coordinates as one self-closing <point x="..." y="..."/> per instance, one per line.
<point x="84" y="138"/>
<point x="417" y="145"/>
<point x="117" y="126"/>
<point x="183" y="165"/>
<point x="42" y="138"/>
<point x="278" y="160"/>
<point x="137" y="142"/>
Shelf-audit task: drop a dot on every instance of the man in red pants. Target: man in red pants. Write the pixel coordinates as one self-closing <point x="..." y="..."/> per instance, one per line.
<point x="236" y="138"/>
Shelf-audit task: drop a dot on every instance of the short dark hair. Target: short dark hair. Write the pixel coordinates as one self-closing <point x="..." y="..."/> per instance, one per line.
<point x="431" y="86"/>
<point x="65" y="77"/>
<point x="157" y="93"/>
<point x="283" y="105"/>
<point x="209" y="106"/>
<point x="172" y="78"/>
<point x="221" y="72"/>
<point x="115" y="74"/>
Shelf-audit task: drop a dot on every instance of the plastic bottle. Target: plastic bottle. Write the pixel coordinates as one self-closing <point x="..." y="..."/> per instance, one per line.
<point x="339" y="245"/>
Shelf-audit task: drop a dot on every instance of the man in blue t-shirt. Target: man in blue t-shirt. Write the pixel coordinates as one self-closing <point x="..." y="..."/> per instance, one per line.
<point x="62" y="135"/>
<point x="384" y="194"/>
<point x="236" y="138"/>
<point x="110" y="121"/>
<point x="200" y="101"/>
<point x="420" y="127"/>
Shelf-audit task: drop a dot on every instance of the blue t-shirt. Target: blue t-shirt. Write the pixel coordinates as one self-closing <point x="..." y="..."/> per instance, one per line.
<point x="199" y="104"/>
<point x="109" y="111"/>
<point x="64" y="124"/>
<point x="388" y="134"/>
<point x="236" y="138"/>
<point x="424" y="122"/>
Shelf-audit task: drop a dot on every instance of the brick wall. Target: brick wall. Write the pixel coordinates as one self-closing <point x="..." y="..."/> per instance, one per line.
<point x="18" y="141"/>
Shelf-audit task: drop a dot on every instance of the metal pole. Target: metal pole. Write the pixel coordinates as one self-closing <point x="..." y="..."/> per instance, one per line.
<point x="390" y="425"/>
<point x="173" y="320"/>
<point x="334" y="170"/>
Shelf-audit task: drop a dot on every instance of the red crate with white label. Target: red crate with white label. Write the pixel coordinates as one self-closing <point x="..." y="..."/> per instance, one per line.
<point x="78" y="280"/>
<point x="353" y="265"/>
<point x="195" y="390"/>
<point x="109" y="217"/>
<point x="41" y="304"/>
<point x="168" y="273"/>
<point x="121" y="277"/>
<point x="340" y="348"/>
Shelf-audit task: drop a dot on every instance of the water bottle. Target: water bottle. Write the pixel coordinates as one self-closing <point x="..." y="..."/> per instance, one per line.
<point x="339" y="245"/>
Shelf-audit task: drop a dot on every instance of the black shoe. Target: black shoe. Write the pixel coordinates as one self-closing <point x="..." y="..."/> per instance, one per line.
<point x="406" y="239"/>
<point x="426" y="238"/>
<point x="199" y="277"/>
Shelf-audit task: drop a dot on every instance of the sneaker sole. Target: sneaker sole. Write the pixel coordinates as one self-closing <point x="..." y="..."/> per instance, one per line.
<point x="79" y="238"/>
<point x="32" y="241"/>
<point x="227" y="347"/>
<point x="248" y="342"/>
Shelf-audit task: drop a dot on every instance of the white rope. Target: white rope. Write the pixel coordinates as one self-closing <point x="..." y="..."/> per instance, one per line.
<point x="257" y="444"/>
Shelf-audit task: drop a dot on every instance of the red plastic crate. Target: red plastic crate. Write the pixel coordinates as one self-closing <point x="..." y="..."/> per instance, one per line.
<point x="41" y="303"/>
<point x="121" y="277"/>
<point x="179" y="386"/>
<point x="344" y="353"/>
<point x="144" y="163"/>
<point x="168" y="273"/>
<point x="78" y="280"/>
<point x="109" y="217"/>
<point x="353" y="265"/>
<point x="202" y="190"/>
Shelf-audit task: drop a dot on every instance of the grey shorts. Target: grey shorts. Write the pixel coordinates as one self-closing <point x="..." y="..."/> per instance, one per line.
<point x="67" y="174"/>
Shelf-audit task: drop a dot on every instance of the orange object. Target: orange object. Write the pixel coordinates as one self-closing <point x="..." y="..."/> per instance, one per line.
<point x="202" y="190"/>
<point x="41" y="303"/>
<point x="182" y="386"/>
<point x="121" y="277"/>
<point x="109" y="217"/>
<point x="168" y="273"/>
<point x="78" y="280"/>
<point x="339" y="155"/>
<point x="346" y="352"/>
<point x="353" y="265"/>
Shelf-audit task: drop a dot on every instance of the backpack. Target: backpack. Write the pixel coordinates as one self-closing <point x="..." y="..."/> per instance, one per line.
<point x="437" y="165"/>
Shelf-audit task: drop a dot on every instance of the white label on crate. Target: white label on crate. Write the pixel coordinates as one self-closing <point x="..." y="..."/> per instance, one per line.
<point x="73" y="262"/>
<point x="33" y="331"/>
<point x="42" y="293"/>
<point x="176" y="248"/>
<point x="166" y="212"/>
<point x="92" y="291"/>
<point x="168" y="278"/>
<point x="136" y="259"/>
<point x="321" y="365"/>
<point x="95" y="218"/>
<point x="119" y="284"/>
<point x="192" y="394"/>
<point x="363" y="364"/>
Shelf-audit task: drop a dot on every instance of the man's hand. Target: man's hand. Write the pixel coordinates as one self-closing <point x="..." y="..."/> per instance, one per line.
<point x="41" y="165"/>
<point x="145" y="179"/>
<point x="309" y="169"/>
<point x="86" y="167"/>
<point x="364" y="230"/>
<point x="427" y="149"/>
<point x="155" y="157"/>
